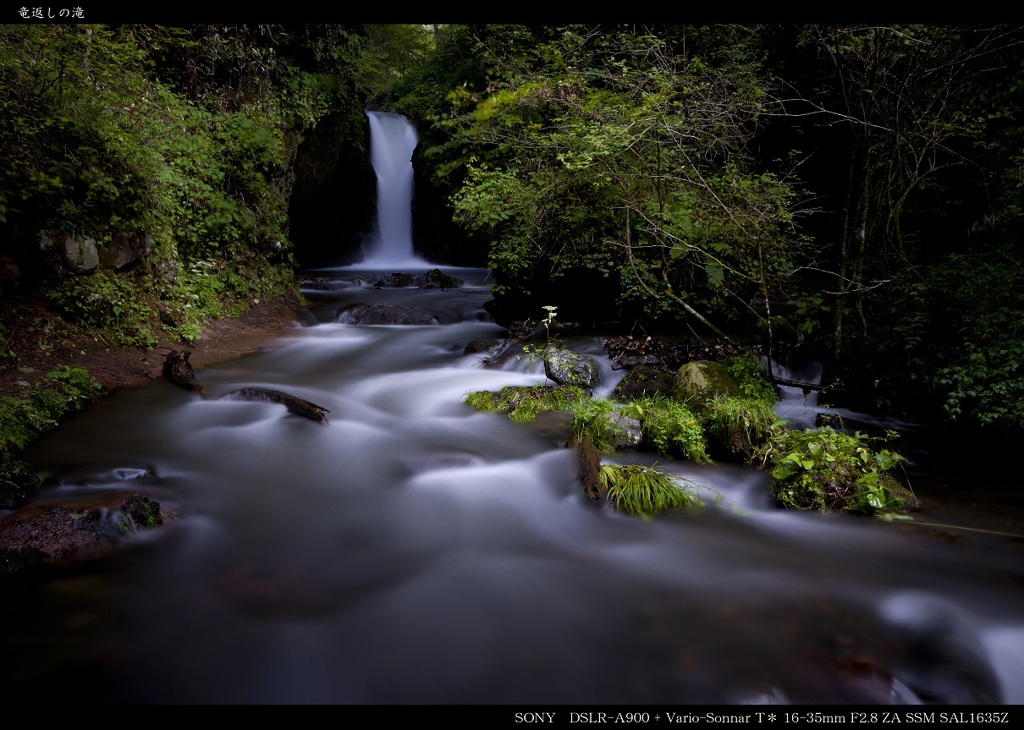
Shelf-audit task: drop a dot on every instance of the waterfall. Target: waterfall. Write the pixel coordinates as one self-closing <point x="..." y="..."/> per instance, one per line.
<point x="796" y="405"/>
<point x="392" y="141"/>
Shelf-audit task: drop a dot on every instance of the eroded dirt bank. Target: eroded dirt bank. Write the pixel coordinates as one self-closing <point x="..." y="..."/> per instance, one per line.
<point x="38" y="341"/>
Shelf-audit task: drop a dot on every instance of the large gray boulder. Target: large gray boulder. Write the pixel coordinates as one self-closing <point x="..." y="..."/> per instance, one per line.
<point x="79" y="253"/>
<point x="124" y="250"/>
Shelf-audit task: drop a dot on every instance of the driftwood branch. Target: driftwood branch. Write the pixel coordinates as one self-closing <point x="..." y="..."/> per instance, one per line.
<point x="298" y="406"/>
<point x="179" y="371"/>
<point x="796" y="384"/>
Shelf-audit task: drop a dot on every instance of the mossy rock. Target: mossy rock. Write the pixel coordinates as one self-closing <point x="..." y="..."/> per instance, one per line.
<point x="143" y="511"/>
<point x="523" y="402"/>
<point x="735" y="427"/>
<point x="644" y="380"/>
<point x="437" y="279"/>
<point x="700" y="381"/>
<point x="566" y="367"/>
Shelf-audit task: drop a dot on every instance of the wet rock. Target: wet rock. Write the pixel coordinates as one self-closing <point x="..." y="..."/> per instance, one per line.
<point x="437" y="279"/>
<point x="397" y="280"/>
<point x="480" y="345"/>
<point x="179" y="371"/>
<point x="371" y="314"/>
<point x="143" y="511"/>
<point x="644" y="380"/>
<point x="85" y="528"/>
<point x="629" y="432"/>
<point x="566" y="367"/>
<point x="432" y="279"/>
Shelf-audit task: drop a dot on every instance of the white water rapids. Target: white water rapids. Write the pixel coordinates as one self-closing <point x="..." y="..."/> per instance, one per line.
<point x="418" y="551"/>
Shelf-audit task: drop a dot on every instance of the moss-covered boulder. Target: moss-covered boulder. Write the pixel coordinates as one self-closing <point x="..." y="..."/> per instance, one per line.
<point x="644" y="380"/>
<point x="372" y="314"/>
<point x="700" y="381"/>
<point x="608" y="424"/>
<point x="736" y="427"/>
<point x="566" y="367"/>
<point x="523" y="402"/>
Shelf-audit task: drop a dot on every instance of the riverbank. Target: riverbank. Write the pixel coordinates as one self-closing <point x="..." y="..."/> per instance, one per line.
<point x="39" y="340"/>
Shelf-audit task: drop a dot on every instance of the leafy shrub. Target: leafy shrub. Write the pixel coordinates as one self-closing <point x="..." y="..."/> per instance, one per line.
<point x="113" y="304"/>
<point x="828" y="471"/>
<point x="22" y="420"/>
<point x="189" y="333"/>
<point x="739" y="425"/>
<point x="670" y="427"/>
<point x="753" y="382"/>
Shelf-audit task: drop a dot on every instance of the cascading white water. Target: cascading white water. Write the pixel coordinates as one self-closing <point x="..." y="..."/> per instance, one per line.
<point x="796" y="405"/>
<point x="392" y="142"/>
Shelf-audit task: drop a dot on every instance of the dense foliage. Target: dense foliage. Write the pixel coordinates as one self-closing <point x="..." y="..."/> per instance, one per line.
<point x="163" y="153"/>
<point x="65" y="390"/>
<point x="843" y="192"/>
<point x="608" y="157"/>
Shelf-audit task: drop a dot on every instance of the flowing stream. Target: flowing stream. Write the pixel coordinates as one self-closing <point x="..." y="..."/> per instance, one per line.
<point x="417" y="551"/>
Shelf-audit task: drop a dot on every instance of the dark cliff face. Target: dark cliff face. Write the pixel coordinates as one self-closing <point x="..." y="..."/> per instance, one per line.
<point x="436" y="235"/>
<point x="333" y="201"/>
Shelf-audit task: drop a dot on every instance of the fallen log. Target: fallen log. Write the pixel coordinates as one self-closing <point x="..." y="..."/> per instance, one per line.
<point x="298" y="406"/>
<point x="179" y="371"/>
<point x="589" y="465"/>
